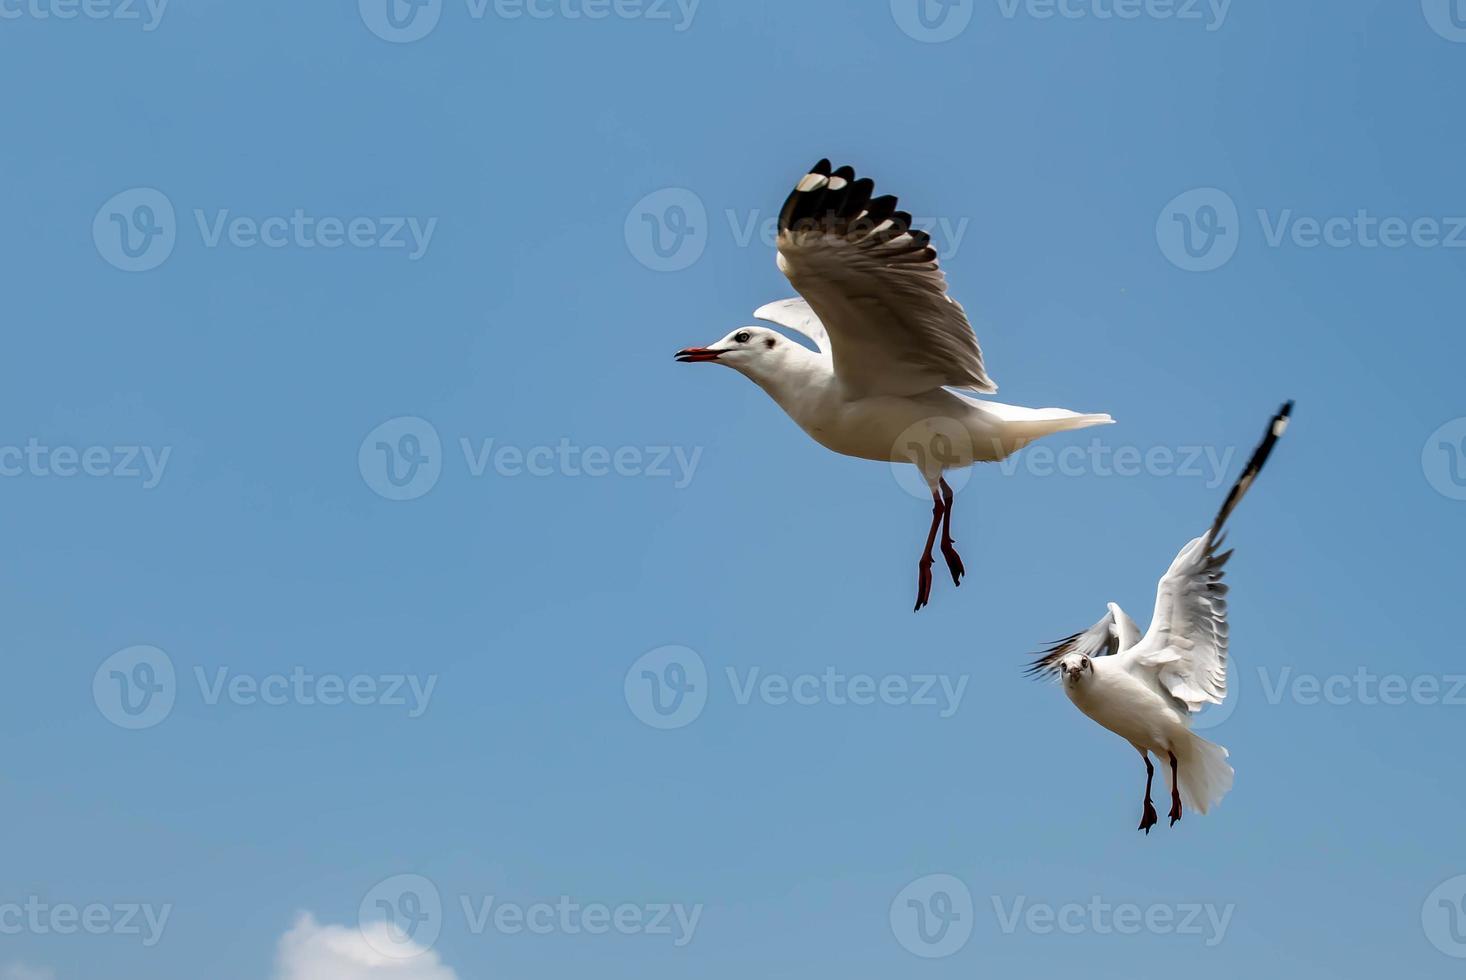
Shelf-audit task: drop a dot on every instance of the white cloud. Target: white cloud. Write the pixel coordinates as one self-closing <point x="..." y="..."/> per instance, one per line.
<point x="311" y="951"/>
<point x="19" y="971"/>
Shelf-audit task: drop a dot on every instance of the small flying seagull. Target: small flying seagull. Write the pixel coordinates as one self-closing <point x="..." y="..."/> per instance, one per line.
<point x="894" y="352"/>
<point x="1145" y="689"/>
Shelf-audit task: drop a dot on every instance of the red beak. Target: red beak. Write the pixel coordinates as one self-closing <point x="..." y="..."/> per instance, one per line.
<point x="693" y="355"/>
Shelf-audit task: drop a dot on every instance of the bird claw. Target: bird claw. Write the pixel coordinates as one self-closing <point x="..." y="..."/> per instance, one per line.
<point x="954" y="562"/>
<point x="923" y="584"/>
<point x="1175" y="813"/>
<point x="1149" y="819"/>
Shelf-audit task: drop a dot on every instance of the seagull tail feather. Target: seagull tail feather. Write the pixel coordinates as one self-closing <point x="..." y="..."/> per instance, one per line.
<point x="1204" y="774"/>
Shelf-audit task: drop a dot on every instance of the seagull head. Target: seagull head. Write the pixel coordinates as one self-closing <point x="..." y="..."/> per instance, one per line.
<point x="1074" y="667"/>
<point x="751" y="350"/>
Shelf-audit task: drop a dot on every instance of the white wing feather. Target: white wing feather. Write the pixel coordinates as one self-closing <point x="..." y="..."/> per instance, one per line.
<point x="874" y="284"/>
<point x="795" y="314"/>
<point x="1185" y="649"/>
<point x="1186" y="646"/>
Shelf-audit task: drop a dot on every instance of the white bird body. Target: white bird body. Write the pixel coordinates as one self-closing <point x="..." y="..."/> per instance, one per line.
<point x="1132" y="706"/>
<point x="891" y="347"/>
<point x="884" y="427"/>
<point x="1146" y="689"/>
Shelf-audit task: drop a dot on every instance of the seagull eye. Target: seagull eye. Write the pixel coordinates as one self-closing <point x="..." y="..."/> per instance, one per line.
<point x="1084" y="664"/>
<point x="742" y="336"/>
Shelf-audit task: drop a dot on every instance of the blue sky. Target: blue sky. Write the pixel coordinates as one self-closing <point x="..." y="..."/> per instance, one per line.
<point x="349" y="488"/>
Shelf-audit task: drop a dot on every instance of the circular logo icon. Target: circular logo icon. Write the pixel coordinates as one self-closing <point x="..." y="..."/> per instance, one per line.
<point x="938" y="448"/>
<point x="1447" y="18"/>
<point x="401" y="21"/>
<point x="135" y="688"/>
<point x="1199" y="230"/>
<point x="136" y="230"/>
<point x="667" y="687"/>
<point x="668" y="229"/>
<point x="1443" y="458"/>
<point x="932" y="21"/>
<point x="932" y="916"/>
<point x="402" y="458"/>
<point x="1443" y="917"/>
<point x="402" y="916"/>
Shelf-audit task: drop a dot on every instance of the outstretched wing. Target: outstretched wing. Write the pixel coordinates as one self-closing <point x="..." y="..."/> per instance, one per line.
<point x="1186" y="646"/>
<point x="1100" y="640"/>
<point x="795" y="314"/>
<point x="874" y="283"/>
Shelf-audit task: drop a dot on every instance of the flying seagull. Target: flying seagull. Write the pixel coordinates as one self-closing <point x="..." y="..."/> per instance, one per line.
<point x="1145" y="689"/>
<point x="894" y="352"/>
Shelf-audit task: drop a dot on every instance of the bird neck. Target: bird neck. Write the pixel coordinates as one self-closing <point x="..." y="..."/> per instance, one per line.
<point x="797" y="378"/>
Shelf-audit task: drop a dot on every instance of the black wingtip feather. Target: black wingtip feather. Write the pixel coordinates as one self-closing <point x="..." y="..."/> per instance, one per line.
<point x="1254" y="466"/>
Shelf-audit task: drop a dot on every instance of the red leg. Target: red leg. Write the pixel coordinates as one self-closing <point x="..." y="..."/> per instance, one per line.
<point x="924" y="567"/>
<point x="1175" y="792"/>
<point x="954" y="560"/>
<point x="1148" y="819"/>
